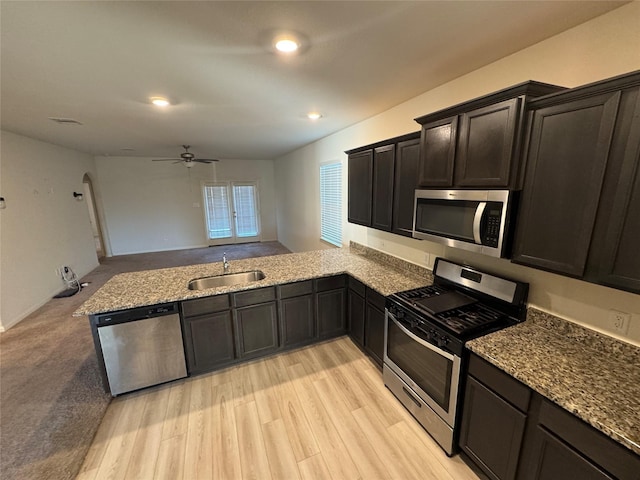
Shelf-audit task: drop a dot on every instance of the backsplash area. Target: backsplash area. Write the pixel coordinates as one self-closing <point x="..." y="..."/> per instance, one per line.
<point x="585" y="305"/>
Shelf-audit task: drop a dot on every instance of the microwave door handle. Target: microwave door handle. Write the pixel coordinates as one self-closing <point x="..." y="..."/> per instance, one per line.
<point x="476" y="222"/>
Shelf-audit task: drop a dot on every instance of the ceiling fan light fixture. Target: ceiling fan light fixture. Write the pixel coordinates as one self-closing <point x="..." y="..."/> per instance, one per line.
<point x="160" y="102"/>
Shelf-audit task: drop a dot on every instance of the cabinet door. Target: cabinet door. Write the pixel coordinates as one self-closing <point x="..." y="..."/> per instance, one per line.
<point x="374" y="333"/>
<point x="566" y="161"/>
<point x="492" y="431"/>
<point x="486" y="143"/>
<point x="331" y="312"/>
<point x="356" y="317"/>
<point x="554" y="460"/>
<point x="613" y="258"/>
<point x="383" y="170"/>
<point x="406" y="182"/>
<point x="257" y="329"/>
<point x="209" y="341"/>
<point x="437" y="152"/>
<point x="360" y="187"/>
<point x="297" y="320"/>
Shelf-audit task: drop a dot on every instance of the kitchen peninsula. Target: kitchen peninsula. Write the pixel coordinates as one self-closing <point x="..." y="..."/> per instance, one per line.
<point x="561" y="363"/>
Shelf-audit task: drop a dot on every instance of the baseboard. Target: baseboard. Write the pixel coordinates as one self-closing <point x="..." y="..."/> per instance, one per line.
<point x="13" y="322"/>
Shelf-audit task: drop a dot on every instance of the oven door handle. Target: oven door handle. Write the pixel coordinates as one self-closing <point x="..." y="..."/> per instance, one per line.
<point x="422" y="342"/>
<point x="477" y="219"/>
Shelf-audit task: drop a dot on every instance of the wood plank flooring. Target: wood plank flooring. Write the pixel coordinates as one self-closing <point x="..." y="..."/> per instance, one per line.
<point x="321" y="412"/>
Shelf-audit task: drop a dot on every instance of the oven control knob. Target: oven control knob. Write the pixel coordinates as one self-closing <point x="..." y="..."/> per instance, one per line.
<point x="442" y="341"/>
<point x="433" y="334"/>
<point x="399" y="314"/>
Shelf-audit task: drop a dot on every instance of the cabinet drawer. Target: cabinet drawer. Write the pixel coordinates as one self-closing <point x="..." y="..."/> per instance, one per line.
<point x="296" y="289"/>
<point x="374" y="298"/>
<point x="504" y="385"/>
<point x="201" y="306"/>
<point x="357" y="286"/>
<point x="331" y="283"/>
<point x="252" y="297"/>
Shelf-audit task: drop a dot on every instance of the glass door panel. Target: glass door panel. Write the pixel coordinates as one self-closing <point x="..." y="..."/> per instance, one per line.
<point x="231" y="213"/>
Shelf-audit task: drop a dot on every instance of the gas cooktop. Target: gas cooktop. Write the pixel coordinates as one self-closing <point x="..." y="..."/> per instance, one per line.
<point x="465" y="301"/>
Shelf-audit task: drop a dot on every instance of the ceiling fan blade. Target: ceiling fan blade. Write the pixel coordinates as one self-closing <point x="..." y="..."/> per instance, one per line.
<point x="205" y="160"/>
<point x="166" y="159"/>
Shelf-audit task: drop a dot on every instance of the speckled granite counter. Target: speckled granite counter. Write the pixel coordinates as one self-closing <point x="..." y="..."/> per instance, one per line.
<point x="381" y="272"/>
<point x="595" y="377"/>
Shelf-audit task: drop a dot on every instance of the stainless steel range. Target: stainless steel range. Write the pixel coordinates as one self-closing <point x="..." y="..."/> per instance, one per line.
<point x="425" y="332"/>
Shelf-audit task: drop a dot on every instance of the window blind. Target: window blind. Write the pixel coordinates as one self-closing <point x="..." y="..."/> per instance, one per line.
<point x="217" y="211"/>
<point x="244" y="200"/>
<point x="331" y="203"/>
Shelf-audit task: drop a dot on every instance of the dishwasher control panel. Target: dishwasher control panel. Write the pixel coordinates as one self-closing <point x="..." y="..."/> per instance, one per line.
<point x="140" y="313"/>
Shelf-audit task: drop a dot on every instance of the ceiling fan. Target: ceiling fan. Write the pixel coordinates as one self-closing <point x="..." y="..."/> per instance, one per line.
<point x="187" y="158"/>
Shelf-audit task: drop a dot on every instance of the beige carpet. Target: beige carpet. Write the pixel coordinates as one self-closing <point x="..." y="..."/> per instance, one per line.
<point x="51" y="396"/>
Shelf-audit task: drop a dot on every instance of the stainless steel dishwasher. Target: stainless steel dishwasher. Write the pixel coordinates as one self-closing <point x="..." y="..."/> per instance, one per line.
<point x="141" y="347"/>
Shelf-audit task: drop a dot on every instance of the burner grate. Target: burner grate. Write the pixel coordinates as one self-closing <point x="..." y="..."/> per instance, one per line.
<point x="469" y="318"/>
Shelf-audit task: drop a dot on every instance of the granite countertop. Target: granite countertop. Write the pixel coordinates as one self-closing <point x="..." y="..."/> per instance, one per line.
<point x="595" y="377"/>
<point x="383" y="273"/>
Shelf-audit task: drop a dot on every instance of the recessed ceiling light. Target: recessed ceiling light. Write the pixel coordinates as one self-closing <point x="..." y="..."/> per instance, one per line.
<point x="286" y="44"/>
<point x="160" y="101"/>
<point x="314" y="115"/>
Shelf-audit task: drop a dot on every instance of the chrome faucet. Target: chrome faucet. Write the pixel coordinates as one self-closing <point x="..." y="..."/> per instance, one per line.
<point x="225" y="265"/>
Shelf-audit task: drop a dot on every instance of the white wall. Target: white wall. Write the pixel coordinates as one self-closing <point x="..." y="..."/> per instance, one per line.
<point x="598" y="49"/>
<point x="156" y="206"/>
<point x="43" y="226"/>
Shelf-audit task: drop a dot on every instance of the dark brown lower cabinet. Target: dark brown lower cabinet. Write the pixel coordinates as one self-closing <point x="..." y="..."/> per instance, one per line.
<point x="297" y="320"/>
<point x="560" y="445"/>
<point x="556" y="460"/>
<point x="256" y="329"/>
<point x="511" y="432"/>
<point x="209" y="341"/>
<point x="374" y="326"/>
<point x="356" y="311"/>
<point x="331" y="306"/>
<point x="493" y="427"/>
<point x="207" y="325"/>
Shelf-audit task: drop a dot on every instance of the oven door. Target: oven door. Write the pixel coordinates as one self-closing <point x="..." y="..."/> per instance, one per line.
<point x="430" y="371"/>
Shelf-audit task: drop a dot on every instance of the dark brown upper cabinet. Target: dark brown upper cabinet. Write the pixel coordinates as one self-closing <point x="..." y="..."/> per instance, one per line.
<point x="438" y="144"/>
<point x="406" y="182"/>
<point x="360" y="184"/>
<point x="380" y="175"/>
<point x="383" y="171"/>
<point x="477" y="144"/>
<point x="580" y="208"/>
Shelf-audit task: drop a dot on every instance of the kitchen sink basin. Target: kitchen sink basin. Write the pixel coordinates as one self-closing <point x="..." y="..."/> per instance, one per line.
<point x="226" y="280"/>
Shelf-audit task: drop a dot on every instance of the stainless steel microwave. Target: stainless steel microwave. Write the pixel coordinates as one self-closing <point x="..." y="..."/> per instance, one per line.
<point x="475" y="220"/>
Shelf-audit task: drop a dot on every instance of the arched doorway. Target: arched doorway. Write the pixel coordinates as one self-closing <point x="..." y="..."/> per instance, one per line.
<point x="93" y="215"/>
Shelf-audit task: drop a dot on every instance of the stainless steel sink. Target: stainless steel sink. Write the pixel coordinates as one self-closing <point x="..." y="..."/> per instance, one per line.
<point x="226" y="280"/>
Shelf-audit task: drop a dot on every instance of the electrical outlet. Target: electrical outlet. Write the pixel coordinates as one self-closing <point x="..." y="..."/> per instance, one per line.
<point x="619" y="321"/>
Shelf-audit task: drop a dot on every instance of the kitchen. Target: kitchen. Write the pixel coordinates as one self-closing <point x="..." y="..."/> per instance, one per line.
<point x="604" y="44"/>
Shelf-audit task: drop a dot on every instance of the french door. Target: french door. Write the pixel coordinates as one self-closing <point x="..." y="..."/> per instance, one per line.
<point x="231" y="212"/>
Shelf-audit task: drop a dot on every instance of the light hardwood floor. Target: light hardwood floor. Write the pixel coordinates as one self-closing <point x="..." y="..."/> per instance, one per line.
<point x="321" y="412"/>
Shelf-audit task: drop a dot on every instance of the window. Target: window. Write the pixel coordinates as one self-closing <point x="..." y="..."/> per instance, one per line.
<point x="231" y="212"/>
<point x="331" y="203"/>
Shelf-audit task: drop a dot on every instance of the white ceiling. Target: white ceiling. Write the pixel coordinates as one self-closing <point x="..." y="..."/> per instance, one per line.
<point x="99" y="62"/>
